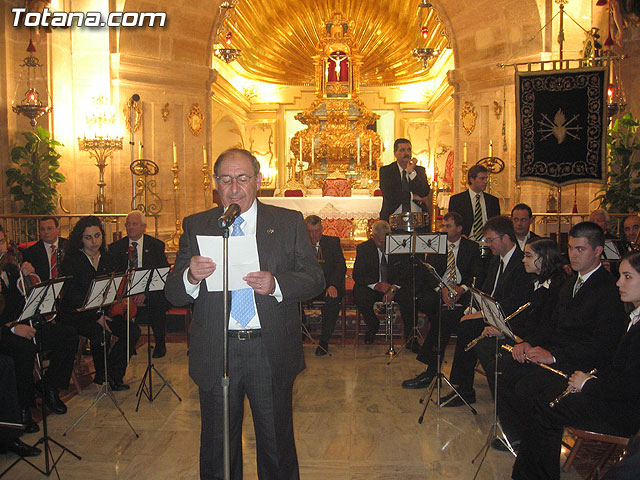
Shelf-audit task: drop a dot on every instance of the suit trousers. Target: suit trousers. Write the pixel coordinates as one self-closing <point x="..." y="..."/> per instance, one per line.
<point x="428" y="352"/>
<point x="365" y="298"/>
<point x="539" y="453"/>
<point x="250" y="374"/>
<point x="62" y="343"/>
<point x="9" y="407"/>
<point x="154" y="314"/>
<point x="464" y="363"/>
<point x="330" y="313"/>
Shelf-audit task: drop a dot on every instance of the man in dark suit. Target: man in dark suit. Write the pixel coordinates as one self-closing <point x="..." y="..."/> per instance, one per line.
<point x="265" y="349"/>
<point x="139" y="250"/>
<point x="475" y="205"/>
<point x="45" y="256"/>
<point x="522" y="218"/>
<point x="460" y="268"/>
<point x="507" y="282"/>
<point x="331" y="259"/>
<point x="403" y="183"/>
<point x="588" y="320"/>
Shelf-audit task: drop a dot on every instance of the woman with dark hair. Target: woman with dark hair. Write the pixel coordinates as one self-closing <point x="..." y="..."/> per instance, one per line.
<point x="85" y="258"/>
<point x="604" y="402"/>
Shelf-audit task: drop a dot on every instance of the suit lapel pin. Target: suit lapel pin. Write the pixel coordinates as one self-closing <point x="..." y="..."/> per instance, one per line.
<point x="270" y="231"/>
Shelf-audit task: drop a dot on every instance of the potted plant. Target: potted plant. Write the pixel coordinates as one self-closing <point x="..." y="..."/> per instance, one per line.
<point x="621" y="192"/>
<point x="35" y="176"/>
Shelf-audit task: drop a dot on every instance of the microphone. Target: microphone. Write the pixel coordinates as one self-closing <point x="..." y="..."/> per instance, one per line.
<point x="135" y="97"/>
<point x="229" y="216"/>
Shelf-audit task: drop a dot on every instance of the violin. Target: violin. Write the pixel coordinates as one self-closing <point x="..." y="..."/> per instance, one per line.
<point x="121" y="307"/>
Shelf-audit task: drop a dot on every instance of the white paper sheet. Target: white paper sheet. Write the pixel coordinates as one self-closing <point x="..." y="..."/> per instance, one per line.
<point x="243" y="259"/>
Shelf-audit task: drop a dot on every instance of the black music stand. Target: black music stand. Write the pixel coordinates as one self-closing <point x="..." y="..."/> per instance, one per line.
<point x="103" y="292"/>
<point x="145" y="281"/>
<point x="305" y="329"/>
<point x="439" y="377"/>
<point x="494" y="316"/>
<point x="40" y="302"/>
<point x="412" y="243"/>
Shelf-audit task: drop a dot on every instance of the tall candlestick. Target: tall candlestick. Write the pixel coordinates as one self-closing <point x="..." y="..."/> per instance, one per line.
<point x="175" y="155"/>
<point x="464" y="153"/>
<point x="358" y="150"/>
<point x="370" y="153"/>
<point x="139" y="150"/>
<point x="312" y="151"/>
<point x="204" y="156"/>
<point x="300" y="145"/>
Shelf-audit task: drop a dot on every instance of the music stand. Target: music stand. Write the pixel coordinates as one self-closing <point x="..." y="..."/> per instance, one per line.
<point x="145" y="281"/>
<point x="305" y="329"/>
<point x="439" y="377"/>
<point x="40" y="302"/>
<point x="412" y="243"/>
<point x="103" y="292"/>
<point x="494" y="316"/>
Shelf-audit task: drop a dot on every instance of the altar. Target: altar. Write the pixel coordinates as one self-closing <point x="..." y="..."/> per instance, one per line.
<point x="345" y="217"/>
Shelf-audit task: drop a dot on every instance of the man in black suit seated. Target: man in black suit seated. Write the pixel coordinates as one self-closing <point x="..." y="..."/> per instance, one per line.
<point x="331" y="259"/>
<point x="373" y="273"/>
<point x="403" y="183"/>
<point x="508" y="283"/>
<point x="10" y="412"/>
<point x="459" y="268"/>
<point x="522" y="218"/>
<point x="17" y="342"/>
<point x="475" y="205"/>
<point x="631" y="228"/>
<point x="606" y="402"/>
<point x="586" y="326"/>
<point x="45" y="256"/>
<point x="139" y="250"/>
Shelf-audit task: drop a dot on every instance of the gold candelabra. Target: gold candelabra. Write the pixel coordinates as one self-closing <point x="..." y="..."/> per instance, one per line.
<point x="174" y="240"/>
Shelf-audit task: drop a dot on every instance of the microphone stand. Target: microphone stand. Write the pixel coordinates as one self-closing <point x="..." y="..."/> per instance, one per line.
<point x="224" y="381"/>
<point x="439" y="377"/>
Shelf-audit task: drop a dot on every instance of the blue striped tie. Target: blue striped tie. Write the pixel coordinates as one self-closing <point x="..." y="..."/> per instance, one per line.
<point x="242" y="306"/>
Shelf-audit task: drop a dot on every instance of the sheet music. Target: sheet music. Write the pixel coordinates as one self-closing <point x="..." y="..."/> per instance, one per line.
<point x="243" y="259"/>
<point x="138" y="281"/>
<point x="492" y="313"/>
<point x="431" y="243"/>
<point x="397" y="243"/>
<point x="159" y="278"/>
<point x="611" y="251"/>
<point x="101" y="294"/>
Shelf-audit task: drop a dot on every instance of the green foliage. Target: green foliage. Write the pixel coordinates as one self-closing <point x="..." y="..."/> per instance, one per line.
<point x="621" y="193"/>
<point x="35" y="176"/>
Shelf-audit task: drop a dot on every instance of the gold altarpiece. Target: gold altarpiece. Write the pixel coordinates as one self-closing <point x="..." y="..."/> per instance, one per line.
<point x="338" y="141"/>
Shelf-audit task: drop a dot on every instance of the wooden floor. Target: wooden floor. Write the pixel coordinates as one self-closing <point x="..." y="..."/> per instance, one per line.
<point x="352" y="421"/>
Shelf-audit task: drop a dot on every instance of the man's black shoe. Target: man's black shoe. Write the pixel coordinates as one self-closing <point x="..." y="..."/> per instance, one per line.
<point x="53" y="402"/>
<point x="497" y="444"/>
<point x="159" y="351"/>
<point x="323" y="349"/>
<point x="22" y="449"/>
<point x="118" y="385"/>
<point x="422" y="380"/>
<point x="27" y="420"/>
<point x="470" y="397"/>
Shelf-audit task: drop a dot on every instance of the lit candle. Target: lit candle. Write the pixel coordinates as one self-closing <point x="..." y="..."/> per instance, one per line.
<point x="464" y="153"/>
<point x="204" y="156"/>
<point x="313" y="147"/>
<point x="175" y="155"/>
<point x="139" y="150"/>
<point x="491" y="148"/>
<point x="300" y="145"/>
<point x="370" y="153"/>
<point x="358" y="150"/>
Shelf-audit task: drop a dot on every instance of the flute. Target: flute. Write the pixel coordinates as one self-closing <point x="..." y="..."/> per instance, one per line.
<point x="569" y="390"/>
<point x="509" y="349"/>
<point x="475" y="341"/>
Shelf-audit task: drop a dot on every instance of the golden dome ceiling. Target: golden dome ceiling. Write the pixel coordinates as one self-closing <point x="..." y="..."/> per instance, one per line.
<point x="278" y="38"/>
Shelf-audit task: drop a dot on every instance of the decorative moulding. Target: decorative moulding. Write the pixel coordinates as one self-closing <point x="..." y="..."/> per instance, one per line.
<point x="195" y="119"/>
<point x="468" y="117"/>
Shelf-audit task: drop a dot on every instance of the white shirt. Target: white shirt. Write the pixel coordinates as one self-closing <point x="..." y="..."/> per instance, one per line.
<point x="249" y="227"/>
<point x="138" y="248"/>
<point x="634" y="317"/>
<point x="585" y="277"/>
<point x="522" y="243"/>
<point x="410" y="176"/>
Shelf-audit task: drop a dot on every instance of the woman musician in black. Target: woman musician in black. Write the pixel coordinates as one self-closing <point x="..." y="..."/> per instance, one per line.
<point x="86" y="258"/>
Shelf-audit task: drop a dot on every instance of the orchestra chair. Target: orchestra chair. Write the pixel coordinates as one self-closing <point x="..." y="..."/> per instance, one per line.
<point x="184" y="312"/>
<point x="294" y="193"/>
<point x="316" y="318"/>
<point x="377" y="192"/>
<point x="603" y="448"/>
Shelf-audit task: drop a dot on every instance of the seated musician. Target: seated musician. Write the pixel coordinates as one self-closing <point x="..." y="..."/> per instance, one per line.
<point x="583" y="332"/>
<point x="604" y="402"/>
<point x="17" y="342"/>
<point x="631" y="228"/>
<point x="459" y="268"/>
<point x="508" y="283"/>
<point x="543" y="259"/>
<point x="85" y="259"/>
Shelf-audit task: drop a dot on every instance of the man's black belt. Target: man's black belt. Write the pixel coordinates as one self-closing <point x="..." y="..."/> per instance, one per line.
<point x="243" y="335"/>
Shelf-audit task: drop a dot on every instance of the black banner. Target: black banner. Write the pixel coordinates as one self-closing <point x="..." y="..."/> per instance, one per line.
<point x="562" y="119"/>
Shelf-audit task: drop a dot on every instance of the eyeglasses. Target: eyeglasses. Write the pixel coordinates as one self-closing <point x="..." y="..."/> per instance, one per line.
<point x="241" y="179"/>
<point x="490" y="240"/>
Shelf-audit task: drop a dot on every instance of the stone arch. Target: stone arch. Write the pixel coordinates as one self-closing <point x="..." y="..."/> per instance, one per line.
<point x="225" y="134"/>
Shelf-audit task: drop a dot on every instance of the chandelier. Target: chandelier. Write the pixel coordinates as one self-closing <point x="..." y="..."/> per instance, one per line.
<point x="32" y="106"/>
<point x="426" y="54"/>
<point x="224" y="51"/>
